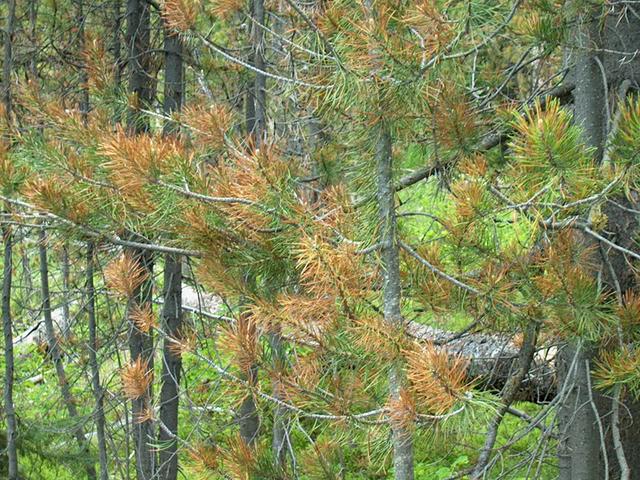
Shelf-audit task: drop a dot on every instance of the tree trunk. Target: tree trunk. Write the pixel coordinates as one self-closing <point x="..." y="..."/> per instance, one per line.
<point x="66" y="331"/>
<point x="7" y="239"/>
<point x="172" y="308"/>
<point x="585" y="447"/>
<point x="84" y="76"/>
<point x="141" y="346"/>
<point x="56" y="356"/>
<point x="139" y="59"/>
<point x="98" y="413"/>
<point x="7" y="65"/>
<point x="256" y="95"/>
<point x="389" y="251"/>
<point x="169" y="396"/>
<point x="141" y="343"/>
<point x="9" y="409"/>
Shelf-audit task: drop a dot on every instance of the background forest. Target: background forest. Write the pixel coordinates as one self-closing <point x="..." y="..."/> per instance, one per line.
<point x="320" y="239"/>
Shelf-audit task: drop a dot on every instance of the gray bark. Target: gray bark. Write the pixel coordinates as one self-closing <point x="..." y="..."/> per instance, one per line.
<point x="7" y="238"/>
<point x="579" y="445"/>
<point x="140" y="343"/>
<point x="139" y="60"/>
<point x="402" y="437"/>
<point x="280" y="431"/>
<point x="509" y="395"/>
<point x="9" y="409"/>
<point x="65" y="292"/>
<point x="98" y="413"/>
<point x="172" y="294"/>
<point x="33" y="59"/>
<point x="84" y="77"/>
<point x="7" y="65"/>
<point x="56" y="357"/>
<point x="141" y="346"/>
<point x="585" y="447"/>
<point x="256" y="98"/>
<point x="171" y="365"/>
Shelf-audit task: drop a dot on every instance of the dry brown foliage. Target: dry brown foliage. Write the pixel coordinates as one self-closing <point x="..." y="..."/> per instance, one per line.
<point x="143" y="317"/>
<point x="136" y="378"/>
<point x="437" y="379"/>
<point x="125" y="274"/>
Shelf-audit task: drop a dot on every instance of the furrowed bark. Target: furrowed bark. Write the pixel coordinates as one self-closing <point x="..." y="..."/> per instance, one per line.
<point x="402" y="437"/>
<point x="98" y="414"/>
<point x="56" y="356"/>
<point x="9" y="408"/>
<point x="172" y="294"/>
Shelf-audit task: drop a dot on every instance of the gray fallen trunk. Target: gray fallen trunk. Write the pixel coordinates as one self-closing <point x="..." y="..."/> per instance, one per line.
<point x="492" y="358"/>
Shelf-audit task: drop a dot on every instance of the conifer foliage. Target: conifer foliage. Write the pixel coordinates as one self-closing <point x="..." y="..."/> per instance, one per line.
<point x="320" y="240"/>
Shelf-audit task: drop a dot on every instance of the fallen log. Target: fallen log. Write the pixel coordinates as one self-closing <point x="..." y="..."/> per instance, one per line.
<point x="492" y="358"/>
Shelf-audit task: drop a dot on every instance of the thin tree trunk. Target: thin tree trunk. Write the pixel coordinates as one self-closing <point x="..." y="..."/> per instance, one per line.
<point x="169" y="396"/>
<point x="141" y="343"/>
<point x="84" y="76"/>
<point x="56" y="356"/>
<point x="255" y="108"/>
<point x="509" y="394"/>
<point x="9" y="409"/>
<point x="260" y="94"/>
<point x="98" y="414"/>
<point x="7" y="66"/>
<point x="247" y="415"/>
<point x="33" y="34"/>
<point x="141" y="346"/>
<point x="172" y="307"/>
<point x="280" y="431"/>
<point x="7" y="239"/>
<point x="402" y="437"/>
<point x="66" y="327"/>
<point x="139" y="59"/>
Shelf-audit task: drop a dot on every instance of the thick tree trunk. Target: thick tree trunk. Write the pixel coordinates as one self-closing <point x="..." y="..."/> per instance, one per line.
<point x="585" y="448"/>
<point x="98" y="413"/>
<point x="56" y="356"/>
<point x="402" y="437"/>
